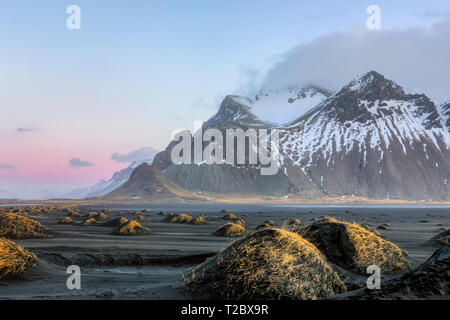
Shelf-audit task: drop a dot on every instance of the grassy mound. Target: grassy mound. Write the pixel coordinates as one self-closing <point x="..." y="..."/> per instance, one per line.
<point x="131" y="228"/>
<point x="179" y="218"/>
<point x="269" y="264"/>
<point x="66" y="220"/>
<point x="240" y="221"/>
<point x="270" y="223"/>
<point x="99" y="216"/>
<point x="230" y="216"/>
<point x="89" y="221"/>
<point x="294" y="222"/>
<point x="15" y="226"/>
<point x="71" y="212"/>
<point x="140" y="218"/>
<point x="116" y="222"/>
<point x="353" y="247"/>
<point x="199" y="220"/>
<point x="263" y="226"/>
<point x="231" y="230"/>
<point x="429" y="281"/>
<point x="441" y="239"/>
<point x="14" y="260"/>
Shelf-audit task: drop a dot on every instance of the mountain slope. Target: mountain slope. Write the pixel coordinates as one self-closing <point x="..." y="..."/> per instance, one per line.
<point x="149" y="183"/>
<point x="445" y="111"/>
<point x="282" y="106"/>
<point x="103" y="187"/>
<point x="372" y="139"/>
<point x="234" y="110"/>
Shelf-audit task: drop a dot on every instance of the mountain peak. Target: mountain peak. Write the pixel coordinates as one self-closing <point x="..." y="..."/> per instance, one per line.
<point x="371" y="96"/>
<point x="234" y="110"/>
<point x="373" y="85"/>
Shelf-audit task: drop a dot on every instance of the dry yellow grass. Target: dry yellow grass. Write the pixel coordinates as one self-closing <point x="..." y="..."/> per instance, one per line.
<point x="130" y="228"/>
<point x="240" y="221"/>
<point x="140" y="218"/>
<point x="89" y="221"/>
<point x="16" y="226"/>
<point x="268" y="264"/>
<point x="66" y="220"/>
<point x="71" y="212"/>
<point x="199" y="220"/>
<point x="99" y="216"/>
<point x="352" y="246"/>
<point x="230" y="216"/>
<point x="180" y="218"/>
<point x="14" y="260"/>
<point x="231" y="230"/>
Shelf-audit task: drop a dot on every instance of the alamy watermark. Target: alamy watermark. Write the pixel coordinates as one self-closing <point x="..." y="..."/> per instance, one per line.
<point x="74" y="280"/>
<point x="259" y="147"/>
<point x="73" y="22"/>
<point x="374" y="281"/>
<point x="374" y="20"/>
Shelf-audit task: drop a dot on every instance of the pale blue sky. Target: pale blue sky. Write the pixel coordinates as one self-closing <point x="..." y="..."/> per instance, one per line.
<point x="139" y="69"/>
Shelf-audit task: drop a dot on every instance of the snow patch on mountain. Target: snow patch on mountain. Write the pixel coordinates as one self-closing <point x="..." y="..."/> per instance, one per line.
<point x="345" y="122"/>
<point x="283" y="106"/>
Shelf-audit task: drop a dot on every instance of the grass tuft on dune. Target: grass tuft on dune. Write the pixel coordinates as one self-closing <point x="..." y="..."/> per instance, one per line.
<point x="179" y="218"/>
<point x="353" y="247"/>
<point x="14" y="260"/>
<point x="268" y="264"/>
<point x="16" y="226"/>
<point x="231" y="230"/>
<point x="131" y="228"/>
<point x="65" y="220"/>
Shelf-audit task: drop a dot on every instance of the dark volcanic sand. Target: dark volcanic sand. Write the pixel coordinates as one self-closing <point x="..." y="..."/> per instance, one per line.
<point x="150" y="266"/>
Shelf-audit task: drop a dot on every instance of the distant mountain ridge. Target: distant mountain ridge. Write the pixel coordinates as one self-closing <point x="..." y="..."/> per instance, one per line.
<point x="104" y="187"/>
<point x="147" y="182"/>
<point x="370" y="139"/>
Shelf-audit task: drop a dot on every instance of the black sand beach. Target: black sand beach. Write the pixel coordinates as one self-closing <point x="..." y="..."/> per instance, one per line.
<point x="150" y="266"/>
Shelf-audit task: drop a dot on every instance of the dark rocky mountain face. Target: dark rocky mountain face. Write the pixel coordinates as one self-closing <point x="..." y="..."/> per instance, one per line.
<point x="371" y="92"/>
<point x="234" y="110"/>
<point x="446" y="115"/>
<point x="370" y="139"/>
<point x="147" y="182"/>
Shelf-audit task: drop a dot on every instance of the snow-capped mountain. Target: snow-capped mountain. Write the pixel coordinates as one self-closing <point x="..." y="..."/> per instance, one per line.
<point x="369" y="139"/>
<point x="234" y="110"/>
<point x="372" y="139"/>
<point x="445" y="111"/>
<point x="282" y="106"/>
<point x="269" y="108"/>
<point x="104" y="187"/>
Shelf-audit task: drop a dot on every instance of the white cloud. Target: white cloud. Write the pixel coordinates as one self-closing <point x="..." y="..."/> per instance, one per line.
<point x="145" y="153"/>
<point x="416" y="59"/>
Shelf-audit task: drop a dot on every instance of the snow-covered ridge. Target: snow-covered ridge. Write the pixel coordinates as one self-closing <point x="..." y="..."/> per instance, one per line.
<point x="344" y="122"/>
<point x="444" y="111"/>
<point x="283" y="106"/>
<point x="329" y="136"/>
